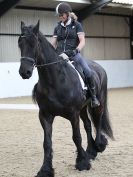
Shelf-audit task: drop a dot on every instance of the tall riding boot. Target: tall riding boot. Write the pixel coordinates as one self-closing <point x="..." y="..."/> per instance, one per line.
<point x="91" y="87"/>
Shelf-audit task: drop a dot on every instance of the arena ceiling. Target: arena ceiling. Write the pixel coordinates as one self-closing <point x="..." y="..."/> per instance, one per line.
<point x="83" y="7"/>
<point x="114" y="7"/>
<point x="51" y="4"/>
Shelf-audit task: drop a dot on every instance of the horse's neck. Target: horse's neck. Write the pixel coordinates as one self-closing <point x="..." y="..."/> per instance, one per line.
<point x="48" y="74"/>
<point x="47" y="53"/>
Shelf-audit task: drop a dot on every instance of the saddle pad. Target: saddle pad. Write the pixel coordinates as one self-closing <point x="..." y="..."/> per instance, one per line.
<point x="80" y="78"/>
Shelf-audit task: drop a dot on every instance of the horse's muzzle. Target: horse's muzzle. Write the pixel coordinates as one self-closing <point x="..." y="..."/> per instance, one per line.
<point x="25" y="75"/>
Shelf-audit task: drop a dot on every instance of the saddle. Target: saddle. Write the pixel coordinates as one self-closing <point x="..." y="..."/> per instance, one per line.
<point x="77" y="68"/>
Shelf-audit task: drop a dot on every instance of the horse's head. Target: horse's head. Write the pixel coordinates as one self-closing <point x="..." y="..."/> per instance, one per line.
<point x="28" y="44"/>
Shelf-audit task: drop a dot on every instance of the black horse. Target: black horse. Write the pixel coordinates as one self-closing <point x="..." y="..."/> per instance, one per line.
<point x="58" y="92"/>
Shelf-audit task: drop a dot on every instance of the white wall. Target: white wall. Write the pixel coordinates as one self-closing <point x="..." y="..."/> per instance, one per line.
<point x="11" y="84"/>
<point x="120" y="74"/>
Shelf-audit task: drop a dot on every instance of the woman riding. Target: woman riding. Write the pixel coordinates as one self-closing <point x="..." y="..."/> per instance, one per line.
<point x="69" y="38"/>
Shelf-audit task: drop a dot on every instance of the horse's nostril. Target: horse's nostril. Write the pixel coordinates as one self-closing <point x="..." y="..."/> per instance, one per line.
<point x="28" y="73"/>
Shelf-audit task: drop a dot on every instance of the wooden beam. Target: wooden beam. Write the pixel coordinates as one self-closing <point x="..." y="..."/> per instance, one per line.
<point x="91" y="9"/>
<point x="5" y="5"/>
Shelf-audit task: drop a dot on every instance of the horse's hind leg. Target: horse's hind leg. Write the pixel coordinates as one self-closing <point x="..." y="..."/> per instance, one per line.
<point x="46" y="169"/>
<point x="82" y="162"/>
<point x="100" y="140"/>
<point x="91" y="149"/>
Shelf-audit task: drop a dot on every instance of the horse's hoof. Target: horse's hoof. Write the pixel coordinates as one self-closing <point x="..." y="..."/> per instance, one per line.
<point x="101" y="146"/>
<point x="45" y="173"/>
<point x="91" y="154"/>
<point x="83" y="164"/>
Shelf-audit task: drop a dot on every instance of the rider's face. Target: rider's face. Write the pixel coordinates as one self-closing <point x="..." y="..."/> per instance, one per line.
<point x="63" y="17"/>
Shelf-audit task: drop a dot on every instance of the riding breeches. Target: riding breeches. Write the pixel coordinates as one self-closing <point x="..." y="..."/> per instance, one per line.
<point x="78" y="58"/>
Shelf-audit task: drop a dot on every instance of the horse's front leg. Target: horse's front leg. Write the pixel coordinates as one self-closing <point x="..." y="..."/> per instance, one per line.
<point x="46" y="169"/>
<point x="82" y="162"/>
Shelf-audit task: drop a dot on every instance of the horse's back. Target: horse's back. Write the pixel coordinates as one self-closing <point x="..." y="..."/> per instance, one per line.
<point x="97" y="68"/>
<point x="99" y="75"/>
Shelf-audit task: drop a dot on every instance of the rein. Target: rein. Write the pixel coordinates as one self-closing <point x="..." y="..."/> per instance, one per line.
<point x="48" y="64"/>
<point x="42" y="65"/>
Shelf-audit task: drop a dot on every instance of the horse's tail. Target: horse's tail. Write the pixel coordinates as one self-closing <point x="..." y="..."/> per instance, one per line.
<point x="105" y="124"/>
<point x="97" y="114"/>
<point x="34" y="93"/>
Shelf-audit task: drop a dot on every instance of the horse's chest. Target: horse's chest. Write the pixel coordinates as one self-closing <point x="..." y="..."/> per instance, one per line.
<point x="57" y="105"/>
<point x="60" y="101"/>
<point x="50" y="103"/>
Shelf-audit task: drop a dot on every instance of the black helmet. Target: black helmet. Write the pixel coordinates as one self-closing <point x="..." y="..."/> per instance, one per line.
<point x="63" y="8"/>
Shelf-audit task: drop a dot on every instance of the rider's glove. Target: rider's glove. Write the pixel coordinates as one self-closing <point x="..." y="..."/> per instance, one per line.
<point x="69" y="53"/>
<point x="64" y="56"/>
<point x="76" y="51"/>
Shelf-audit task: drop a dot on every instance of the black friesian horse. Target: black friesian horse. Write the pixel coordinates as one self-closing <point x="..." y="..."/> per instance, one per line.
<point x="58" y="92"/>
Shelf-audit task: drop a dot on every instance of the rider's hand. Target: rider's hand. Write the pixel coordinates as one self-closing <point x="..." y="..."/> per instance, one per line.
<point x="76" y="51"/>
<point x="69" y="53"/>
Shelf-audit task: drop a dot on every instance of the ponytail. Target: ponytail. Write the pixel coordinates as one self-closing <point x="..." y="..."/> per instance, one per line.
<point x="73" y="16"/>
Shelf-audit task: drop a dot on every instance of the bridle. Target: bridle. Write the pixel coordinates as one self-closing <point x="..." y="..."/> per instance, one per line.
<point x="34" y="60"/>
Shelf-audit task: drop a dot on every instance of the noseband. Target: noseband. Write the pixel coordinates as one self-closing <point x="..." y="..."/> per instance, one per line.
<point x="28" y="59"/>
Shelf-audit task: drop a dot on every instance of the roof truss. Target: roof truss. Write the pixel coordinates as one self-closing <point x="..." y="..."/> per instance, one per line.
<point x="5" y="5"/>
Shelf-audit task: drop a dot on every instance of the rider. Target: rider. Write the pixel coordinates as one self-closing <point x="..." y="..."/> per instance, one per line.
<point x="69" y="38"/>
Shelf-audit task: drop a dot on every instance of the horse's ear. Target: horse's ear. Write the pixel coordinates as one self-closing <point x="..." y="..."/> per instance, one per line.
<point x="22" y="25"/>
<point x="36" y="28"/>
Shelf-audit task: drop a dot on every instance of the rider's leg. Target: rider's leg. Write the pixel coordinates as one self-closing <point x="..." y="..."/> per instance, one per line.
<point x="89" y="77"/>
<point x="95" y="101"/>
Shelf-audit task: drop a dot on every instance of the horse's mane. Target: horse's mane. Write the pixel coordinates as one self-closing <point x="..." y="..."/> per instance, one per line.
<point x="47" y="46"/>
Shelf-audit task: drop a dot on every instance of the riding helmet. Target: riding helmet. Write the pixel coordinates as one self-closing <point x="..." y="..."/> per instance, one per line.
<point x="63" y="8"/>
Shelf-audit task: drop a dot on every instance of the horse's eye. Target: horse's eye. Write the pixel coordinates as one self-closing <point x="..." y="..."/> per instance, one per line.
<point x="20" y="41"/>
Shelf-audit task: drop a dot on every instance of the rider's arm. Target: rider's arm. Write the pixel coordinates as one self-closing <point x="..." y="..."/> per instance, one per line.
<point x="81" y="36"/>
<point x="54" y="38"/>
<point x="81" y="44"/>
<point x="54" y="42"/>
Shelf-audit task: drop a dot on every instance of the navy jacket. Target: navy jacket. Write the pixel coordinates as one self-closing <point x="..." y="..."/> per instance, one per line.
<point x="67" y="36"/>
